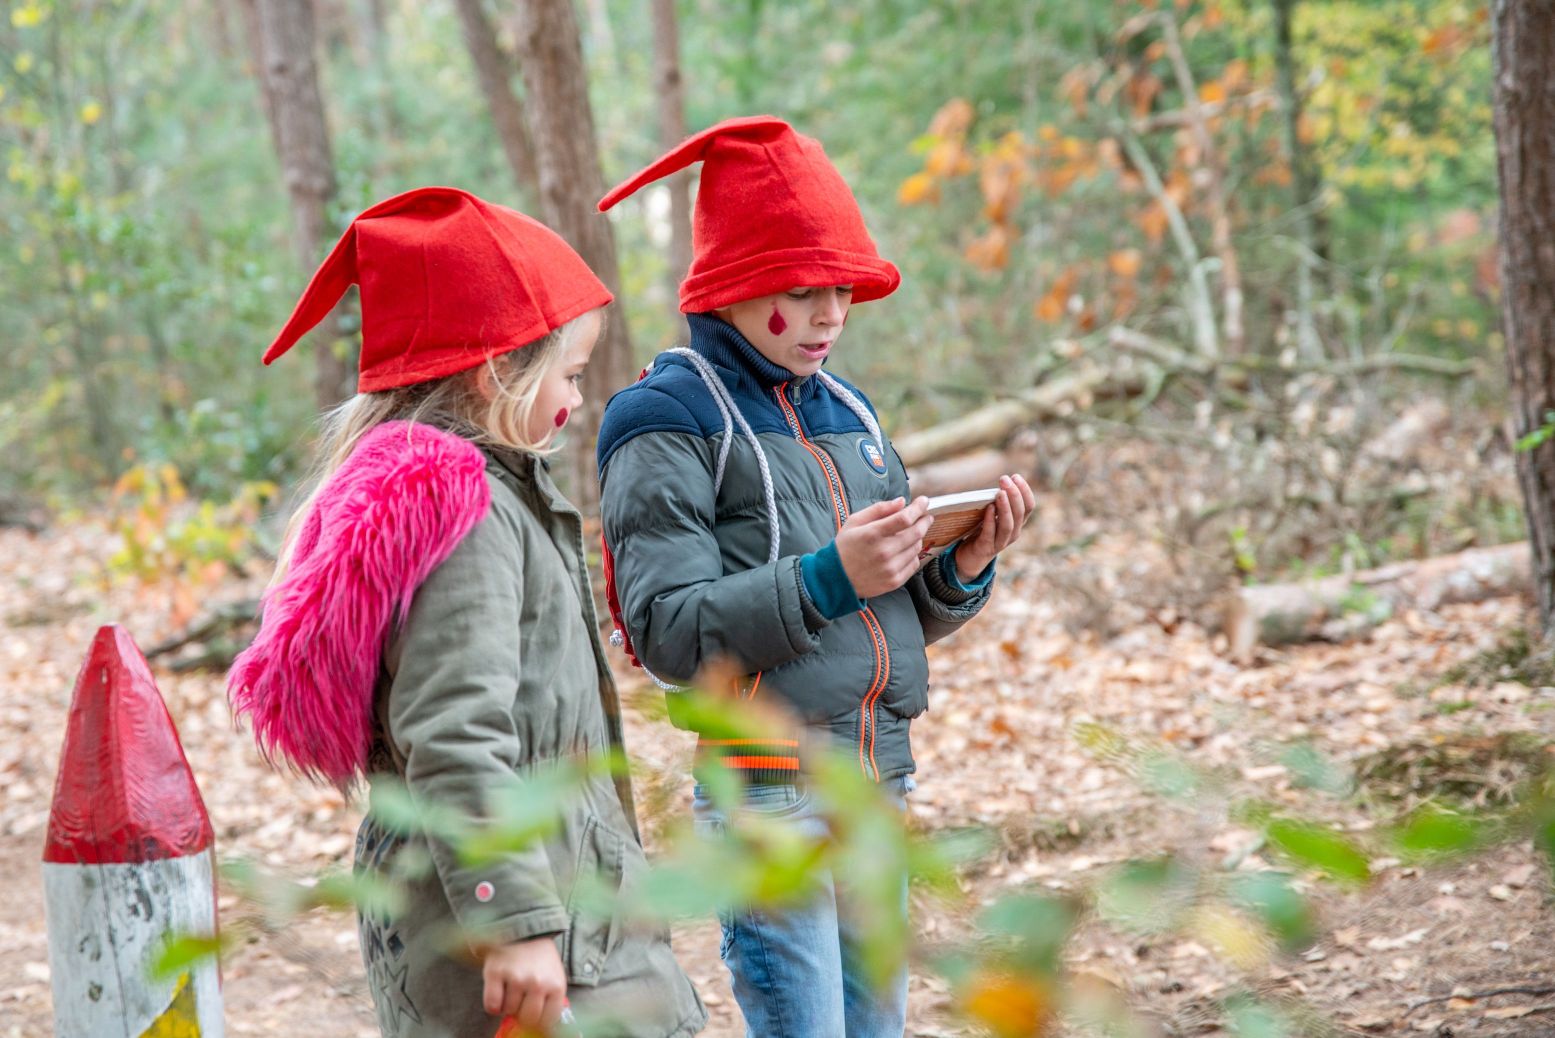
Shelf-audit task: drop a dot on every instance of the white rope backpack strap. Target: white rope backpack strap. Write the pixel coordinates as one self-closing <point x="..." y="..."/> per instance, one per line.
<point x="851" y="400"/>
<point x="730" y="412"/>
<point x="731" y="415"/>
<point x="714" y="384"/>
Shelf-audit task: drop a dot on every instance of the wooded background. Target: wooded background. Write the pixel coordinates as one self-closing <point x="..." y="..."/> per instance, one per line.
<point x="1259" y="292"/>
<point x="1257" y="235"/>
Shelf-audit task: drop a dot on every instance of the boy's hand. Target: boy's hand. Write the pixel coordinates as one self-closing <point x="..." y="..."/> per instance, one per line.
<point x="879" y="545"/>
<point x="527" y="982"/>
<point x="1002" y="523"/>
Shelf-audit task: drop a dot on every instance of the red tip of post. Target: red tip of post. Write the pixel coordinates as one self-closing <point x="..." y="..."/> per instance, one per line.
<point x="124" y="793"/>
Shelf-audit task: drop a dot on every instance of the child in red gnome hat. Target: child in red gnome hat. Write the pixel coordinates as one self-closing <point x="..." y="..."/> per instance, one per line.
<point x="431" y="625"/>
<point x="755" y="512"/>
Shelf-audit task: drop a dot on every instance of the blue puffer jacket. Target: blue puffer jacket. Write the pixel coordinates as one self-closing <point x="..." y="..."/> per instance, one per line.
<point x="720" y="508"/>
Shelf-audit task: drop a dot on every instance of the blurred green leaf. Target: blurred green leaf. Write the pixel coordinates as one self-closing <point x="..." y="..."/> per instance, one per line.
<point x="1168" y="775"/>
<point x="1312" y="769"/>
<point x="392" y="806"/>
<point x="526" y="810"/>
<point x="1433" y="832"/>
<point x="935" y="858"/>
<point x="1252" y="1018"/>
<point x="1320" y="847"/>
<point x="1147" y="895"/>
<point x="1037" y="926"/>
<point x="1103" y="741"/>
<point x="1271" y="896"/>
<point x="1539" y="436"/>
<point x="182" y="952"/>
<point x="361" y="891"/>
<point x="722" y="785"/>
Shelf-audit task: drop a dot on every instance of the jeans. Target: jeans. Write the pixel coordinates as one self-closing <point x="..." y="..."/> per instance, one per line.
<point x="797" y="972"/>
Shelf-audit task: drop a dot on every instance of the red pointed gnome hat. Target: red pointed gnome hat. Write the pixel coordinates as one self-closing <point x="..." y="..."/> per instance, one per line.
<point x="772" y="212"/>
<point x="447" y="280"/>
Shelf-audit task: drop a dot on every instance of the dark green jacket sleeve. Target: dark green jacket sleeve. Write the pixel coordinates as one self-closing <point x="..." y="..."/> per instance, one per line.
<point x="681" y="610"/>
<point x="943" y="606"/>
<point x="454" y="682"/>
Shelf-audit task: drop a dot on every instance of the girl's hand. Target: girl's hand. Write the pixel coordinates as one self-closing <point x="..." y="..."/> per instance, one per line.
<point x="879" y="545"/>
<point x="1002" y="523"/>
<point x="527" y="982"/>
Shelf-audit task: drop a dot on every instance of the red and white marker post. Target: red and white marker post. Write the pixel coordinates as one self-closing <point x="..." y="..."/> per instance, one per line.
<point x="129" y="861"/>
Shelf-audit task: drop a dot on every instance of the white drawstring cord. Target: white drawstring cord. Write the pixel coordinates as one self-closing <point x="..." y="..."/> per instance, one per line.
<point x="730" y="412"/>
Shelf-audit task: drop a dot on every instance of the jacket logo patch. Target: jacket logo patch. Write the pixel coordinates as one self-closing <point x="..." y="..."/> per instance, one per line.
<point x="870" y="451"/>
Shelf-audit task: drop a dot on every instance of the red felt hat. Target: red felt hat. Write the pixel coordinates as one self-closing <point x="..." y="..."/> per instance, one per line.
<point x="772" y="212"/>
<point x="447" y="280"/>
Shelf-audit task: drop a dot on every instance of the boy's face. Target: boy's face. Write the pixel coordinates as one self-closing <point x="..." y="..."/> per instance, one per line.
<point x="795" y="329"/>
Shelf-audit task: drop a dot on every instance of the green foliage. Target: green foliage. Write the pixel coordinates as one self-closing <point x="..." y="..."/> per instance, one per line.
<point x="1435" y="832"/>
<point x="1252" y="1018"/>
<point x="1035" y="929"/>
<point x="181" y="952"/>
<point x="1274" y="900"/>
<point x="1312" y="769"/>
<point x="1320" y="847"/>
<point x="1148" y="895"/>
<point x="1539" y="436"/>
<point x="148" y="259"/>
<point x="1242" y="553"/>
<point x="1009" y="975"/>
<point x="193" y="544"/>
<point x="1362" y="601"/>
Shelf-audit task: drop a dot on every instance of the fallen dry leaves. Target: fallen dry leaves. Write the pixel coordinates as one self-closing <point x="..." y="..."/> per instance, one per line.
<point x="998" y="748"/>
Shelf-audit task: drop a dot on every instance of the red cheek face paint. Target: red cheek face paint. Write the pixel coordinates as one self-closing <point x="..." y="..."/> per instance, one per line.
<point x="775" y="324"/>
<point x="561" y="417"/>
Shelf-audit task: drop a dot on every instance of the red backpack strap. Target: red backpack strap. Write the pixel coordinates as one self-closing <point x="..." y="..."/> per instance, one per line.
<point x="620" y="637"/>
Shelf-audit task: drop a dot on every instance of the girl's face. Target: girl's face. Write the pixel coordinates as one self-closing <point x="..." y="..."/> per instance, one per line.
<point x="795" y="329"/>
<point x="558" y="395"/>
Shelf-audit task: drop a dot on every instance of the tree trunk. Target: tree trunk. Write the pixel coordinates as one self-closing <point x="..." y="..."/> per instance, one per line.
<point x="1232" y="295"/>
<point x="221" y="27"/>
<point x="550" y="56"/>
<point x="374" y="18"/>
<point x="494" y="69"/>
<point x="1524" y="105"/>
<point x="249" y="11"/>
<point x="1303" y="192"/>
<point x="289" y="74"/>
<point x="670" y="87"/>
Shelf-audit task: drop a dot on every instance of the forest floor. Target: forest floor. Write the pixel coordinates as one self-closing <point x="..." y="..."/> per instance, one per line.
<point x="1415" y="950"/>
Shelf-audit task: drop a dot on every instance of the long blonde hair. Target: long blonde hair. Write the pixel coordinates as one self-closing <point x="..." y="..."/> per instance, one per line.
<point x="453" y="403"/>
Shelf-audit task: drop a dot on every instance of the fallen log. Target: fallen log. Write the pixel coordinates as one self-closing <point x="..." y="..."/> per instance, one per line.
<point x="1420" y="424"/>
<point x="991" y="425"/>
<point x="975" y="470"/>
<point x="1345" y="606"/>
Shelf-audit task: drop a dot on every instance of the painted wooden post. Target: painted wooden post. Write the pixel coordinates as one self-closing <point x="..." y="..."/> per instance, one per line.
<point x="129" y="860"/>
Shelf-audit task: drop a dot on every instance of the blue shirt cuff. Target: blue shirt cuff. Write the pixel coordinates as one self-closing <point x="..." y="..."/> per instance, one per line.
<point x="827" y="583"/>
<point x="947" y="569"/>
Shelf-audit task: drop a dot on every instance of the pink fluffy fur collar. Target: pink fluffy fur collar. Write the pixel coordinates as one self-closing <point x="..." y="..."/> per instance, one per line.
<point x="384" y="521"/>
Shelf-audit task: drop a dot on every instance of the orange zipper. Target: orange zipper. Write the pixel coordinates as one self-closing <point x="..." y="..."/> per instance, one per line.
<point x="882" y="673"/>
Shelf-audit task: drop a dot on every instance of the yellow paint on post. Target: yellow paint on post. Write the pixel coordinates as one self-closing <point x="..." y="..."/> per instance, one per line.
<point x="180" y="1019"/>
